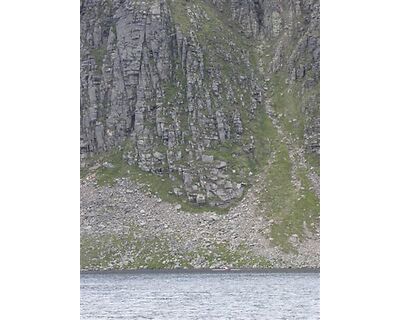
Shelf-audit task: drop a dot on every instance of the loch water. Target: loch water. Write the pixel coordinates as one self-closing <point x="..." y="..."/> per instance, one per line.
<point x="200" y="295"/>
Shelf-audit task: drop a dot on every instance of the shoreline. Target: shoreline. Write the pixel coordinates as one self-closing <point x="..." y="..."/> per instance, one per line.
<point x="204" y="270"/>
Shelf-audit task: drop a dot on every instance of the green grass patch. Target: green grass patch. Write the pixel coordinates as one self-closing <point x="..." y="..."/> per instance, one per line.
<point x="128" y="251"/>
<point x="180" y="15"/>
<point x="223" y="254"/>
<point x="98" y="55"/>
<point x="125" y="252"/>
<point x="289" y="208"/>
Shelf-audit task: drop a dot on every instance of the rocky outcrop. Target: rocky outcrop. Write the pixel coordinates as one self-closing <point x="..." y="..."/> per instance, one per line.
<point x="204" y="101"/>
<point x="157" y="80"/>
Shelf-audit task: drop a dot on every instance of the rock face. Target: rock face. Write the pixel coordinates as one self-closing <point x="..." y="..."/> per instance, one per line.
<point x="206" y="99"/>
<point x="172" y="82"/>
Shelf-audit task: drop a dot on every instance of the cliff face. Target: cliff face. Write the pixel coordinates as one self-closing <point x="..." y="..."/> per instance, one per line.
<point x="205" y="99"/>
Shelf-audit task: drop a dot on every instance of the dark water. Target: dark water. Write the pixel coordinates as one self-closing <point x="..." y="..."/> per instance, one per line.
<point x="212" y="295"/>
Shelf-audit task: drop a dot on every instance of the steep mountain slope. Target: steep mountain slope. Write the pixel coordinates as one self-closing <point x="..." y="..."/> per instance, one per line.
<point x="205" y="104"/>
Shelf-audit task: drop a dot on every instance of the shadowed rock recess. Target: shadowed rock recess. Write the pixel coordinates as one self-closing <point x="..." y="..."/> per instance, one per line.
<point x="199" y="134"/>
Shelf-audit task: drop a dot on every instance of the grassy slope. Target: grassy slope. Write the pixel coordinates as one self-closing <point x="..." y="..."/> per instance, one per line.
<point x="128" y="252"/>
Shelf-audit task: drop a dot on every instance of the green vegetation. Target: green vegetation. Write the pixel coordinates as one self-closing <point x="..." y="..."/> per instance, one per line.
<point x="180" y="14"/>
<point x="114" y="29"/>
<point x="314" y="161"/>
<point x="287" y="101"/>
<point x="105" y="252"/>
<point x="289" y="208"/>
<point x="265" y="137"/>
<point x="129" y="252"/>
<point x="98" y="55"/>
<point x="238" y="258"/>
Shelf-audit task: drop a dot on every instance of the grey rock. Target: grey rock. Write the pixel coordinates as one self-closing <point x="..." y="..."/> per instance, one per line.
<point x="207" y="158"/>
<point x="178" y="192"/>
<point x="108" y="165"/>
<point x="200" y="199"/>
<point x="221" y="165"/>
